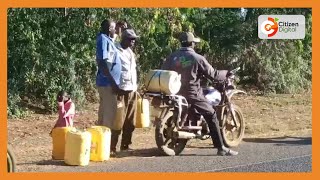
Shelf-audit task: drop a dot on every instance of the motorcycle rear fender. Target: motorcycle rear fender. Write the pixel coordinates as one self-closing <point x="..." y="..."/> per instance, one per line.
<point x="165" y="114"/>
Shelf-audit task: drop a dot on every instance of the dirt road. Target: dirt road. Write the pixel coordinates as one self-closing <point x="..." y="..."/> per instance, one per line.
<point x="266" y="116"/>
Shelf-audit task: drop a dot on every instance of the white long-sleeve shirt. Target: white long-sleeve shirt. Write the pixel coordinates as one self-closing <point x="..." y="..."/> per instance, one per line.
<point x="128" y="80"/>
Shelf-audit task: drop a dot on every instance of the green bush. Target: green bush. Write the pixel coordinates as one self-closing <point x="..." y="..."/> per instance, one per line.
<point x="54" y="49"/>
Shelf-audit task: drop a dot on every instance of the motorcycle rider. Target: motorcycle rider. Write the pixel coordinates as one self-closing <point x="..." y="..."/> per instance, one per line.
<point x="192" y="66"/>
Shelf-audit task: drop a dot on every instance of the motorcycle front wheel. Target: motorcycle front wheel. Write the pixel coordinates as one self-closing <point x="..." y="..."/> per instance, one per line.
<point x="166" y="142"/>
<point x="232" y="135"/>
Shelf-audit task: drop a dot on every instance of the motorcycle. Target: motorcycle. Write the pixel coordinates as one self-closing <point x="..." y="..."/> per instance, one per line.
<point x="177" y="121"/>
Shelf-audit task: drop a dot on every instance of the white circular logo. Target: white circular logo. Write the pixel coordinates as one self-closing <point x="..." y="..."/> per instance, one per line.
<point x="266" y="27"/>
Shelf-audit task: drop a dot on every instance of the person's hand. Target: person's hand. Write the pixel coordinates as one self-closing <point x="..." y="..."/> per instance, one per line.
<point x="221" y="75"/>
<point x="229" y="73"/>
<point x="115" y="89"/>
<point x="60" y="98"/>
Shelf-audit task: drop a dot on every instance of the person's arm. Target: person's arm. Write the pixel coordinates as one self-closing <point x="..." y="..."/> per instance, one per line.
<point x="106" y="63"/>
<point x="61" y="108"/>
<point x="138" y="67"/>
<point x="211" y="73"/>
<point x="61" y="111"/>
<point x="71" y="110"/>
<point x="206" y="69"/>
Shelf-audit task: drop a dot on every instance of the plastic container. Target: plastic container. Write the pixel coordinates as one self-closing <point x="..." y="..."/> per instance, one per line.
<point x="117" y="123"/>
<point x="143" y="113"/>
<point x="163" y="81"/>
<point x="100" y="143"/>
<point x="58" y="141"/>
<point x="77" y="149"/>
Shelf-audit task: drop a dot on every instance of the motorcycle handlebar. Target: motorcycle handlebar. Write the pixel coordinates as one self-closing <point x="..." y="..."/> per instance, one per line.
<point x="235" y="70"/>
<point x="229" y="75"/>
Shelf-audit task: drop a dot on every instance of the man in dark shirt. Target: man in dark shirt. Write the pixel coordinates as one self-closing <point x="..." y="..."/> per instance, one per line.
<point x="192" y="68"/>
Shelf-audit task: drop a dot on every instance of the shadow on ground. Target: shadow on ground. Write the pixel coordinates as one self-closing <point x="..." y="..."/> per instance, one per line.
<point x="155" y="152"/>
<point x="152" y="152"/>
<point x="282" y="141"/>
<point x="46" y="162"/>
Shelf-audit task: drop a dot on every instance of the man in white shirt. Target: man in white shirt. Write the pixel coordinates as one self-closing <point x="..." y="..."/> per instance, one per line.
<point x="127" y="91"/>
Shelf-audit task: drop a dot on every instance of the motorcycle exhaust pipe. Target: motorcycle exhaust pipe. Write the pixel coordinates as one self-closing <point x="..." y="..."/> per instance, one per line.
<point x="185" y="135"/>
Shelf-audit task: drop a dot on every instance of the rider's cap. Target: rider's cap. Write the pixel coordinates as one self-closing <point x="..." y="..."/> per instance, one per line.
<point x="188" y="37"/>
<point x="129" y="33"/>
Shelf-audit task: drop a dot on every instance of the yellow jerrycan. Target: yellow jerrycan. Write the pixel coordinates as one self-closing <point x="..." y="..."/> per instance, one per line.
<point x="58" y="135"/>
<point x="117" y="123"/>
<point x="77" y="150"/>
<point x="143" y="113"/>
<point x="100" y="143"/>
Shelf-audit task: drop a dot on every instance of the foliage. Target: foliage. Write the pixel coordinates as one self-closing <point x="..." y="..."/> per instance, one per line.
<point x="53" y="49"/>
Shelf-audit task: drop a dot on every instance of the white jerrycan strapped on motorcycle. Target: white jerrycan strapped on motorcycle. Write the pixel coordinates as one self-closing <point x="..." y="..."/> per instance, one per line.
<point x="163" y="81"/>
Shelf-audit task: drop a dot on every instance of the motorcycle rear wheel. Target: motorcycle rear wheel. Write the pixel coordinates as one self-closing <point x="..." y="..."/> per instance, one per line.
<point x="166" y="143"/>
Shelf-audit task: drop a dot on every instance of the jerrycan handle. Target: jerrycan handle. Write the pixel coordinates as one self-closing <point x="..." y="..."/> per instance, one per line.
<point x="138" y="94"/>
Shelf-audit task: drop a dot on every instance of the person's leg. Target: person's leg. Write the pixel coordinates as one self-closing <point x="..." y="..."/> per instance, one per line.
<point x="107" y="115"/>
<point x="209" y="114"/>
<point x="107" y="108"/>
<point x="100" y="110"/>
<point x="114" y="141"/>
<point x="129" y="124"/>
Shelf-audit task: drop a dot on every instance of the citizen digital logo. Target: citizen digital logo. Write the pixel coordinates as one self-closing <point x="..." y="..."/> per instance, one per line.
<point x="288" y="27"/>
<point x="281" y="26"/>
<point x="288" y="24"/>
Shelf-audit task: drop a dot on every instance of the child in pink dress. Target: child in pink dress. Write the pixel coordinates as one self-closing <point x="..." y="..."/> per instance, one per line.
<point x="66" y="110"/>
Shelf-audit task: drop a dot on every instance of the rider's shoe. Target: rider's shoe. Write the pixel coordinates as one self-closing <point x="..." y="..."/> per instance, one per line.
<point x="168" y="151"/>
<point x="125" y="148"/>
<point x="204" y="137"/>
<point x="113" y="153"/>
<point x="227" y="152"/>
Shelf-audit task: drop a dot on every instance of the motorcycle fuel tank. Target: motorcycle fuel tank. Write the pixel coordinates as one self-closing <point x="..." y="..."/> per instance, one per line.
<point x="213" y="96"/>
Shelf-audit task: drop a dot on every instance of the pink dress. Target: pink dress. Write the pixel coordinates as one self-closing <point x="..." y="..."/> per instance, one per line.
<point x="66" y="114"/>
